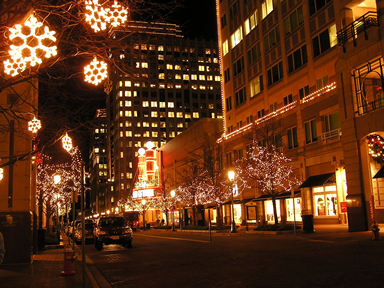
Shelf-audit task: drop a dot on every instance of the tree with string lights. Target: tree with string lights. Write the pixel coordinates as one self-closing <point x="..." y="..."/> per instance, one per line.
<point x="268" y="170"/>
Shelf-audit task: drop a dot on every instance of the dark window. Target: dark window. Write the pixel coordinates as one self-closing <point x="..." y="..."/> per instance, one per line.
<point x="240" y="97"/>
<point x="321" y="43"/>
<point x="228" y="103"/>
<point x="297" y="59"/>
<point x="292" y="138"/>
<point x="275" y="74"/>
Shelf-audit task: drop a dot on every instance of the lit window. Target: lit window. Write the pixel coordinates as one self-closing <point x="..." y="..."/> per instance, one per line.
<point x="128" y="113"/>
<point x="160" y="57"/>
<point x="154" y="114"/>
<point x="153" y="104"/>
<point x="154" y="134"/>
<point x="97" y="150"/>
<point x="201" y="68"/>
<point x="185" y="77"/>
<point x="146" y="134"/>
<point x="209" y="77"/>
<point x="250" y="23"/>
<point x="128" y="84"/>
<point x="144" y="65"/>
<point x="128" y="133"/>
<point x="121" y="113"/>
<point x="162" y="104"/>
<point x="217" y="78"/>
<point x="225" y="47"/>
<point x="145" y="104"/>
<point x="178" y="86"/>
<point x="128" y="93"/>
<point x="177" y="67"/>
<point x="172" y="134"/>
<point x="160" y="48"/>
<point x="121" y="154"/>
<point x="194" y="86"/>
<point x="121" y="93"/>
<point x="161" y="76"/>
<point x="120" y="83"/>
<point x="187" y="116"/>
<point x="195" y="114"/>
<point x="179" y="125"/>
<point x="171" y="114"/>
<point x="194" y="77"/>
<point x="128" y="103"/>
<point x="202" y="77"/>
<point x="266" y="7"/>
<point x="237" y="37"/>
<point x="177" y="76"/>
<point x="169" y="66"/>
<point x="121" y="103"/>
<point x="171" y="105"/>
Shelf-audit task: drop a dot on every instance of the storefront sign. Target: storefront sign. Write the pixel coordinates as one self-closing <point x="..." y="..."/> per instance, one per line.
<point x="343" y="207"/>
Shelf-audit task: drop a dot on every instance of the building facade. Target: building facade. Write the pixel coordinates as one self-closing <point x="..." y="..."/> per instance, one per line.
<point x="98" y="162"/>
<point x="165" y="83"/>
<point x="287" y="69"/>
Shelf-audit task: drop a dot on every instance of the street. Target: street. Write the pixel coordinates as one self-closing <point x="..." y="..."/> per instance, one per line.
<point x="180" y="259"/>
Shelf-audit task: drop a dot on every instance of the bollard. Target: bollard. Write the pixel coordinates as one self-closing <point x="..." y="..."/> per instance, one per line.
<point x="68" y="263"/>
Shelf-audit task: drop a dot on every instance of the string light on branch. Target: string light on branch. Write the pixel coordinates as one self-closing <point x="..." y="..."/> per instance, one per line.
<point x="1" y="174"/>
<point x="31" y="42"/>
<point x="117" y="15"/>
<point x="376" y="147"/>
<point x="34" y="125"/>
<point x="67" y="142"/>
<point x="95" y="72"/>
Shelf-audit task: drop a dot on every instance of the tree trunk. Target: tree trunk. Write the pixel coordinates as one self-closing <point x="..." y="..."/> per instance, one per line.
<point x="166" y="217"/>
<point x="40" y="215"/>
<point x="194" y="215"/>
<point x="275" y="210"/>
<point x="219" y="219"/>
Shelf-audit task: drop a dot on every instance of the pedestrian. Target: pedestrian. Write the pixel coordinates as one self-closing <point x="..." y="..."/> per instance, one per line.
<point x="2" y="249"/>
<point x="162" y="222"/>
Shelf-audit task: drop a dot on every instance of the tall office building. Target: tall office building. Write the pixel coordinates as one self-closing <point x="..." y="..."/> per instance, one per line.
<point x="98" y="162"/>
<point x="164" y="83"/>
<point x="307" y="75"/>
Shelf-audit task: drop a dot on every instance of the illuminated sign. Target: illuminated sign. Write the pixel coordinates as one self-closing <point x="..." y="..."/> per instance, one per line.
<point x="148" y="179"/>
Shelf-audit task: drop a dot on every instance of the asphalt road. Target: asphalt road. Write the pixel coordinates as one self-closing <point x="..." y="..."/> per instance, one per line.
<point x="166" y="259"/>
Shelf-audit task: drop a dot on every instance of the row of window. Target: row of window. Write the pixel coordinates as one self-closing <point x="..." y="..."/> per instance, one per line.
<point x="330" y="123"/>
<point x="163" y="114"/>
<point x="160" y="48"/>
<point x="148" y="124"/>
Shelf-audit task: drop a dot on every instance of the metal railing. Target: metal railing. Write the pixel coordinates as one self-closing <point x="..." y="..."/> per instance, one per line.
<point x="333" y="134"/>
<point x="361" y="24"/>
<point x="370" y="106"/>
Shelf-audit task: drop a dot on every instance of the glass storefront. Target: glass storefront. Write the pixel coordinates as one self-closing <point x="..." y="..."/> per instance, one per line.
<point x="293" y="206"/>
<point x="325" y="200"/>
<point x="269" y="217"/>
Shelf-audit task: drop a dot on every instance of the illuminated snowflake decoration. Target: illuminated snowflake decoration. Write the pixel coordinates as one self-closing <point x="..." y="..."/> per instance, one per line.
<point x="30" y="43"/>
<point x="98" y="17"/>
<point x="34" y="125"/>
<point x="95" y="15"/>
<point x="95" y="72"/>
<point x="67" y="142"/>
<point x="117" y="15"/>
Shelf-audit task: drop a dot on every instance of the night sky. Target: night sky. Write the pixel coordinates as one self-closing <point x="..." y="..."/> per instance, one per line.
<point x="70" y="105"/>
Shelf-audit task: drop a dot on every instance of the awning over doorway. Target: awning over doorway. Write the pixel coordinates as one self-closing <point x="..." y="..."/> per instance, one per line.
<point x="317" y="180"/>
<point x="379" y="174"/>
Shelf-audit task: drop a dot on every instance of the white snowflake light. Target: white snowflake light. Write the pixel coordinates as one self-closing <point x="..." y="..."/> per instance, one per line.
<point x="30" y="43"/>
<point x="117" y="15"/>
<point x="67" y="142"/>
<point x="98" y="16"/>
<point x="34" y="125"/>
<point x="95" y="72"/>
<point x="95" y="15"/>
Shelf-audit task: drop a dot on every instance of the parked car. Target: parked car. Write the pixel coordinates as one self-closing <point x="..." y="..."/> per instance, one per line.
<point x="89" y="226"/>
<point x="112" y="230"/>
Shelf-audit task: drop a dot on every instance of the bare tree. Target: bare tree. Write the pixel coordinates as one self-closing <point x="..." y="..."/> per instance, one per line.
<point x="267" y="169"/>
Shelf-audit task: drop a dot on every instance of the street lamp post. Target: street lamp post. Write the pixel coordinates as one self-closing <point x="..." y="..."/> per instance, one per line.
<point x="143" y="202"/>
<point x="67" y="145"/>
<point x="173" y="193"/>
<point x="231" y="177"/>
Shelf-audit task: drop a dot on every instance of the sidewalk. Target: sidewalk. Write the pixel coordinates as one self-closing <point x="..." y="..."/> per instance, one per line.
<point x="44" y="271"/>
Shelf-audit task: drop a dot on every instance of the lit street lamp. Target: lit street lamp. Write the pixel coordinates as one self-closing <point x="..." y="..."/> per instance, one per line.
<point x="231" y="177"/>
<point x="173" y="193"/>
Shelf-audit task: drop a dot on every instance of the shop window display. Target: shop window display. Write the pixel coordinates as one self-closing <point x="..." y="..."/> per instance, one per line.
<point x="325" y="201"/>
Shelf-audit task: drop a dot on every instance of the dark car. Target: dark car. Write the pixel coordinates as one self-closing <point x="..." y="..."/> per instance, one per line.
<point x="112" y="230"/>
<point x="89" y="227"/>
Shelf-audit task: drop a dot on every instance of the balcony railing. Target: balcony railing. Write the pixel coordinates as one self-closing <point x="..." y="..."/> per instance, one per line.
<point x="361" y="24"/>
<point x="333" y="134"/>
<point x="371" y="106"/>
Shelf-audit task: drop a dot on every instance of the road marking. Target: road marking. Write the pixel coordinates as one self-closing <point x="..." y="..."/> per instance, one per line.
<point x="175" y="238"/>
